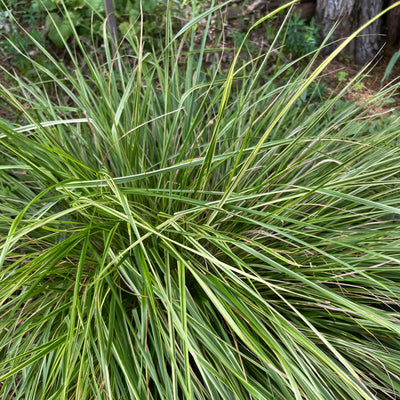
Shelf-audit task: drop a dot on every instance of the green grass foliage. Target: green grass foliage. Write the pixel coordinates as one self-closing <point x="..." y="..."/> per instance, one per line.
<point x="170" y="231"/>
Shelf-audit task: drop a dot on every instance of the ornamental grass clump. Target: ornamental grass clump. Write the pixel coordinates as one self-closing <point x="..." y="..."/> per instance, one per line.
<point x="170" y="231"/>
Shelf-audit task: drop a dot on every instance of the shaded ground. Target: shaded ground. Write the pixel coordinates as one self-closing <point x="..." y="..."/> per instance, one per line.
<point x="371" y="82"/>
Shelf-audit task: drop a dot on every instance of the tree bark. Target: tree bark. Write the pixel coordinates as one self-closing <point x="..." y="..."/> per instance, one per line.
<point x="393" y="25"/>
<point x="369" y="42"/>
<point x="350" y="15"/>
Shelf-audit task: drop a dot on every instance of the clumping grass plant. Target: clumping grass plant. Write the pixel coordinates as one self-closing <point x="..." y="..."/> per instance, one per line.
<point x="170" y="231"/>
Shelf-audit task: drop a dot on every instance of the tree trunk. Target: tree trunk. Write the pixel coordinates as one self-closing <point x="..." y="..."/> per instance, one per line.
<point x="393" y="25"/>
<point x="112" y="26"/>
<point x="350" y="15"/>
<point x="368" y="43"/>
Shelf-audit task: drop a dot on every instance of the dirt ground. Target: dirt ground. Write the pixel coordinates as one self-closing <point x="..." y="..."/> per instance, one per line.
<point x="371" y="79"/>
